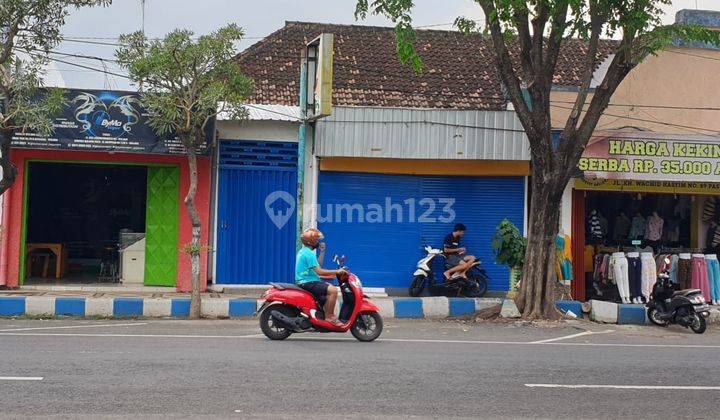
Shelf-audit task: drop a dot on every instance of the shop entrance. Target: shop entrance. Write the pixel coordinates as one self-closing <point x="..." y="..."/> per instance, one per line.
<point x="628" y="235"/>
<point x="92" y="223"/>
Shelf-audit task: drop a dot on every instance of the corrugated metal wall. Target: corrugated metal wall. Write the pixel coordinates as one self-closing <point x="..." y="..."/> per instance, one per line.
<point x="421" y="134"/>
<point x="384" y="254"/>
<point x="251" y="248"/>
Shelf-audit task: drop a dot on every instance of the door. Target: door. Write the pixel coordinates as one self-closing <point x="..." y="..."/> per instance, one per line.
<point x="416" y="211"/>
<point x="257" y="189"/>
<point x="161" y="231"/>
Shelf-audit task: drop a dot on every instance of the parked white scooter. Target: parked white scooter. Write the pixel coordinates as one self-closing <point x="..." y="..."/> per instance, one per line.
<point x="475" y="285"/>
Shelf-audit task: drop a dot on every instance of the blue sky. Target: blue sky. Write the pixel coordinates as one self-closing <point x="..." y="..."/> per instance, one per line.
<point x="258" y="19"/>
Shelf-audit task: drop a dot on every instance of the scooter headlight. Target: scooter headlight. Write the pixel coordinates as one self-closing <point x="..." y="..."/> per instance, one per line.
<point x="698" y="299"/>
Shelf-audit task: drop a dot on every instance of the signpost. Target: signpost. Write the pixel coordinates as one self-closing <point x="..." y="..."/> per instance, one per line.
<point x="316" y="75"/>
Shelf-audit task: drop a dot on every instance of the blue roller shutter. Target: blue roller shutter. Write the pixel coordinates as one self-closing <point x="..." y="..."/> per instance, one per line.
<point x="251" y="248"/>
<point x="384" y="254"/>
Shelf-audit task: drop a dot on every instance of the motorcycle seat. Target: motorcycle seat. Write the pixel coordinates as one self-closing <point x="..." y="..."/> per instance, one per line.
<point x="687" y="292"/>
<point x="288" y="286"/>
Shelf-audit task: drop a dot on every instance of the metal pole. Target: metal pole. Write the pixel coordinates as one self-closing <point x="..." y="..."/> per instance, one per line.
<point x="302" y="137"/>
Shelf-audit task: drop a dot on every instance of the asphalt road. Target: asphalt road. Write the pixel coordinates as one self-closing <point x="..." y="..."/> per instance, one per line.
<point x="225" y="369"/>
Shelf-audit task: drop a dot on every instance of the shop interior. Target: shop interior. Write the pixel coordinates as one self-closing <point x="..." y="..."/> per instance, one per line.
<point x="628" y="237"/>
<point x="85" y="223"/>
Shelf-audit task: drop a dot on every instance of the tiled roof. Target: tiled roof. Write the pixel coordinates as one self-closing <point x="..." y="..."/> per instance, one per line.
<point x="458" y="71"/>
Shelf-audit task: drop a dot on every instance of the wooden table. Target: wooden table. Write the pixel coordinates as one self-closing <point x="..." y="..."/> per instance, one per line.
<point x="60" y="257"/>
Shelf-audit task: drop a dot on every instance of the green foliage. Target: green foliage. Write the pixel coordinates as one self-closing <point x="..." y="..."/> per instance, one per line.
<point x="185" y="82"/>
<point x="30" y="29"/>
<point x="509" y="245"/>
<point x="398" y="11"/>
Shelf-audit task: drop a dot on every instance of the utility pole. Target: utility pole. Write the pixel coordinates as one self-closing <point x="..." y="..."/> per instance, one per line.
<point x="302" y="137"/>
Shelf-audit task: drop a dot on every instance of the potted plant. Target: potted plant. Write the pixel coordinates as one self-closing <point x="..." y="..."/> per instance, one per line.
<point x="509" y="247"/>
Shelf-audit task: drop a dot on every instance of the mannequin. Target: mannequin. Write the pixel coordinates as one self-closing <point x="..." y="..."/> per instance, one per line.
<point x="637" y="228"/>
<point x="594" y="227"/>
<point x="622" y="227"/>
<point x="653" y="231"/>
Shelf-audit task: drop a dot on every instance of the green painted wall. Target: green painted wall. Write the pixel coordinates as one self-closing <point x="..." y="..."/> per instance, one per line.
<point x="161" y="232"/>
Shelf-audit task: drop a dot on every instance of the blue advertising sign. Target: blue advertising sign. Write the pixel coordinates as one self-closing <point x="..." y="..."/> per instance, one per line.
<point x="105" y="120"/>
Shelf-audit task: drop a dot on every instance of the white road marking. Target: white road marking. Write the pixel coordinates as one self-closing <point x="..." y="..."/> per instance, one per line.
<point x="128" y="335"/>
<point x="647" y="387"/>
<point x="384" y="340"/>
<point x="567" y="337"/>
<point x="21" y="378"/>
<point x="74" y="326"/>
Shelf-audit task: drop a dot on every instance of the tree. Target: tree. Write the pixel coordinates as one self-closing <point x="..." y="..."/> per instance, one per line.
<point x="29" y="30"/>
<point x="185" y="83"/>
<point x="534" y="31"/>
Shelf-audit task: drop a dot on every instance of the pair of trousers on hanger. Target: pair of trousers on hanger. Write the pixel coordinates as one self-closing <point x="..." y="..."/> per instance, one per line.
<point x="620" y="272"/>
<point x="649" y="273"/>
<point x="700" y="276"/>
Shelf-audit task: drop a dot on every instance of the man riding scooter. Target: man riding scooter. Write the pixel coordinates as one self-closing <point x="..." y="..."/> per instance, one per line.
<point x="457" y="263"/>
<point x="309" y="273"/>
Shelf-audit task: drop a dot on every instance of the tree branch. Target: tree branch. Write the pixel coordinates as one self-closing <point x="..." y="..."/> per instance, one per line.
<point x="596" y="25"/>
<point x="506" y="70"/>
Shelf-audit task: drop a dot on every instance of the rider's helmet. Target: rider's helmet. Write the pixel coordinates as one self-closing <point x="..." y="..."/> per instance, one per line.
<point x="311" y="237"/>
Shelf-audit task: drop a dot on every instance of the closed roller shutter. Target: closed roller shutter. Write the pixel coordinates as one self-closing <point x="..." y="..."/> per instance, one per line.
<point x="254" y="248"/>
<point x="384" y="254"/>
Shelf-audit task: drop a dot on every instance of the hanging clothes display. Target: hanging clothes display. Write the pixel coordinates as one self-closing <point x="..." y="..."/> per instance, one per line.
<point x="699" y="278"/>
<point x="595" y="229"/>
<point x="634" y="276"/>
<point x="622" y="227"/>
<point x="620" y="273"/>
<point x="684" y="271"/>
<point x="649" y="273"/>
<point x="637" y="228"/>
<point x="713" y="266"/>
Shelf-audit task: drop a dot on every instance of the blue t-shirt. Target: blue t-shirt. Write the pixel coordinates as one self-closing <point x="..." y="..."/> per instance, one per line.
<point x="305" y="264"/>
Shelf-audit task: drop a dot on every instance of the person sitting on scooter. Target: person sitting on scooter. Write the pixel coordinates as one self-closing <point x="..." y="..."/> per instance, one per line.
<point x="309" y="274"/>
<point x="456" y="262"/>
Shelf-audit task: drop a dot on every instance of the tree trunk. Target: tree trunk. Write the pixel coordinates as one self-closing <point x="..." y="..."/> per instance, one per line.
<point x="195" y="248"/>
<point x="536" y="294"/>
<point x="9" y="171"/>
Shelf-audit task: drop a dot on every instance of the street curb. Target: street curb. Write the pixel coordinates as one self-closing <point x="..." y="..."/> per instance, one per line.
<point x="151" y="307"/>
<point x="404" y="308"/>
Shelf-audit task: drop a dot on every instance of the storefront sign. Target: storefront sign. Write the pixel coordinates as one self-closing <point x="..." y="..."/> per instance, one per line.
<point x="645" y="157"/>
<point x="671" y="187"/>
<point x="104" y="121"/>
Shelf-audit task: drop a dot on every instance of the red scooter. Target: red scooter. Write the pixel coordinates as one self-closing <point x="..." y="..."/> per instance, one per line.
<point x="290" y="309"/>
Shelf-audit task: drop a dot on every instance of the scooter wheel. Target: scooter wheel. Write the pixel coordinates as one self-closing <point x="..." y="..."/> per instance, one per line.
<point x="417" y="286"/>
<point x="271" y="328"/>
<point x="367" y="327"/>
<point x="698" y="325"/>
<point x="652" y="314"/>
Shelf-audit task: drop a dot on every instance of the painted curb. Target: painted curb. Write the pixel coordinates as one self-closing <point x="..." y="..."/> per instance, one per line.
<point x="629" y="314"/>
<point x="407" y="308"/>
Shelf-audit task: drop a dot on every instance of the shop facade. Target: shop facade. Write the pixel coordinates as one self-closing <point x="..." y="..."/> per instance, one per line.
<point x="645" y="197"/>
<point x="381" y="194"/>
<point x="100" y="202"/>
<point x="256" y="189"/>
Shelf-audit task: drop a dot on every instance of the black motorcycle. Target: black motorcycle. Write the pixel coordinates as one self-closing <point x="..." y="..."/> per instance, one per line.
<point x="475" y="285"/>
<point x="683" y="307"/>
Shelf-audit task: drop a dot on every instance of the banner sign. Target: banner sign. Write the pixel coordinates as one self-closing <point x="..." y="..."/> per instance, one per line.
<point x="109" y="121"/>
<point x="666" y="187"/>
<point x="645" y="157"/>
